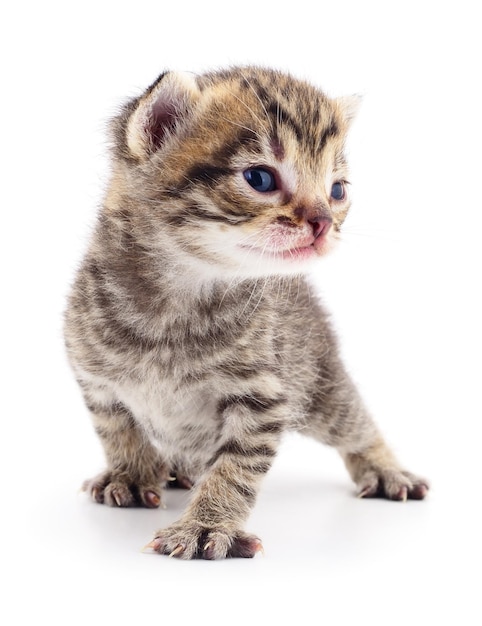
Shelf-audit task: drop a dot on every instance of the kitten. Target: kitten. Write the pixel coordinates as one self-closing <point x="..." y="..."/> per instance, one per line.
<point x="194" y="337"/>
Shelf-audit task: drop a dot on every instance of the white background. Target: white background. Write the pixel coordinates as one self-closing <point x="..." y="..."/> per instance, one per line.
<point x="404" y="290"/>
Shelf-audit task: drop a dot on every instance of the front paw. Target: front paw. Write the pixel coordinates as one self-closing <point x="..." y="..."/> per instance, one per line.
<point x="115" y="489"/>
<point x="392" y="484"/>
<point x="191" y="540"/>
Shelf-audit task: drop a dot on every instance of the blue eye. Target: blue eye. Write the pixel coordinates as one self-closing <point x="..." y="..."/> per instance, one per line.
<point x="260" y="179"/>
<point x="338" y="191"/>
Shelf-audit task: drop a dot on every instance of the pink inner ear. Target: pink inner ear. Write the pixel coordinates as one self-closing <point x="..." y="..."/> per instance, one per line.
<point x="162" y="118"/>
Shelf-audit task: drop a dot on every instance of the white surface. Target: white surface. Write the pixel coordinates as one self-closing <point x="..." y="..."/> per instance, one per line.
<point x="404" y="291"/>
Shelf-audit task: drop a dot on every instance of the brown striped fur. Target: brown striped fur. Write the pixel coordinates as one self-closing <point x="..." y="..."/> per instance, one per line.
<point x="192" y="333"/>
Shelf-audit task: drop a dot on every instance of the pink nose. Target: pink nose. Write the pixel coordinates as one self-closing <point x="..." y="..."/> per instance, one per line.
<point x="320" y="226"/>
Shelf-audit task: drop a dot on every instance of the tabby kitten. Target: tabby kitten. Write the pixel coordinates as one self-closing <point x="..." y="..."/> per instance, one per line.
<point x="194" y="337"/>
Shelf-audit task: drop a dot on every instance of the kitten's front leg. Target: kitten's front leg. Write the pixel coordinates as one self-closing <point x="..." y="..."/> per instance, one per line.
<point x="135" y="471"/>
<point x="211" y="528"/>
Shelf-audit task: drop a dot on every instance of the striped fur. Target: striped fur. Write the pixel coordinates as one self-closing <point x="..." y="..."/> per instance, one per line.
<point x="194" y="337"/>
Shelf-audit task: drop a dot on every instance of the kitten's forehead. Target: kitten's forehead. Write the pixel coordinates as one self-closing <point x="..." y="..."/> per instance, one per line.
<point x="285" y="110"/>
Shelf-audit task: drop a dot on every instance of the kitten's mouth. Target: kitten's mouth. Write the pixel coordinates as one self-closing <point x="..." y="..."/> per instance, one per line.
<point x="302" y="253"/>
<point x="283" y="243"/>
<point x="310" y="248"/>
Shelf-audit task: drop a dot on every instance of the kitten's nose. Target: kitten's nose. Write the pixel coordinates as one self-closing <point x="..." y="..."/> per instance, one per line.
<point x="316" y="215"/>
<point x="320" y="225"/>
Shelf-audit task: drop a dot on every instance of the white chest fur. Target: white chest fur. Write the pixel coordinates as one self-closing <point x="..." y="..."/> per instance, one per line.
<point x="181" y="422"/>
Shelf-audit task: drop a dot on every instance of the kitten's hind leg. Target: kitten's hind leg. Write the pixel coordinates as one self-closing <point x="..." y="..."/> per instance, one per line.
<point x="135" y="472"/>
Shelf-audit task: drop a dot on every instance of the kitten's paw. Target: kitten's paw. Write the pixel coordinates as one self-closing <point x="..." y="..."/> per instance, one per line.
<point x="115" y="490"/>
<point x="193" y="541"/>
<point x="392" y="484"/>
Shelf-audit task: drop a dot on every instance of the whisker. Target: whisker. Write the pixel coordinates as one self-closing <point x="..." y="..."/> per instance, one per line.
<point x="240" y="275"/>
<point x="380" y="234"/>
<point x="251" y="295"/>
<point x="259" y="99"/>
<point x="251" y="130"/>
<point x="240" y="100"/>
<point x="265" y="282"/>
<point x="278" y="112"/>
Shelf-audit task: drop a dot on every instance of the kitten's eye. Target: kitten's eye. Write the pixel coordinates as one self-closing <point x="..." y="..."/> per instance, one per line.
<point x="338" y="191"/>
<point x="260" y="179"/>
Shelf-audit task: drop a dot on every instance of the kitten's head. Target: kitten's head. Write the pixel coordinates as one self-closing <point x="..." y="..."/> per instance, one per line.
<point x="240" y="172"/>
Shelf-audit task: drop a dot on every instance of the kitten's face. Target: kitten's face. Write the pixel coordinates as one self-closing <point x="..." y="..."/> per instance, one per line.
<point x="243" y="171"/>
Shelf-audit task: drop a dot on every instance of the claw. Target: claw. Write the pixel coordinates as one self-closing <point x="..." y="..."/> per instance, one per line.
<point x="152" y="545"/>
<point x="208" y="550"/>
<point x="95" y="492"/>
<point x="117" y="498"/>
<point x="177" y="551"/>
<point x="365" y="492"/>
<point x="419" y="491"/>
<point x="184" y="482"/>
<point x="152" y="499"/>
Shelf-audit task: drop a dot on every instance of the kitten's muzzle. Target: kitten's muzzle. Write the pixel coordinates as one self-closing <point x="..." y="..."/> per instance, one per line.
<point x="318" y="218"/>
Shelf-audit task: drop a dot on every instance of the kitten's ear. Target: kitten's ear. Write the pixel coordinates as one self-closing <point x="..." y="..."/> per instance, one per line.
<point x="160" y="112"/>
<point x="349" y="107"/>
